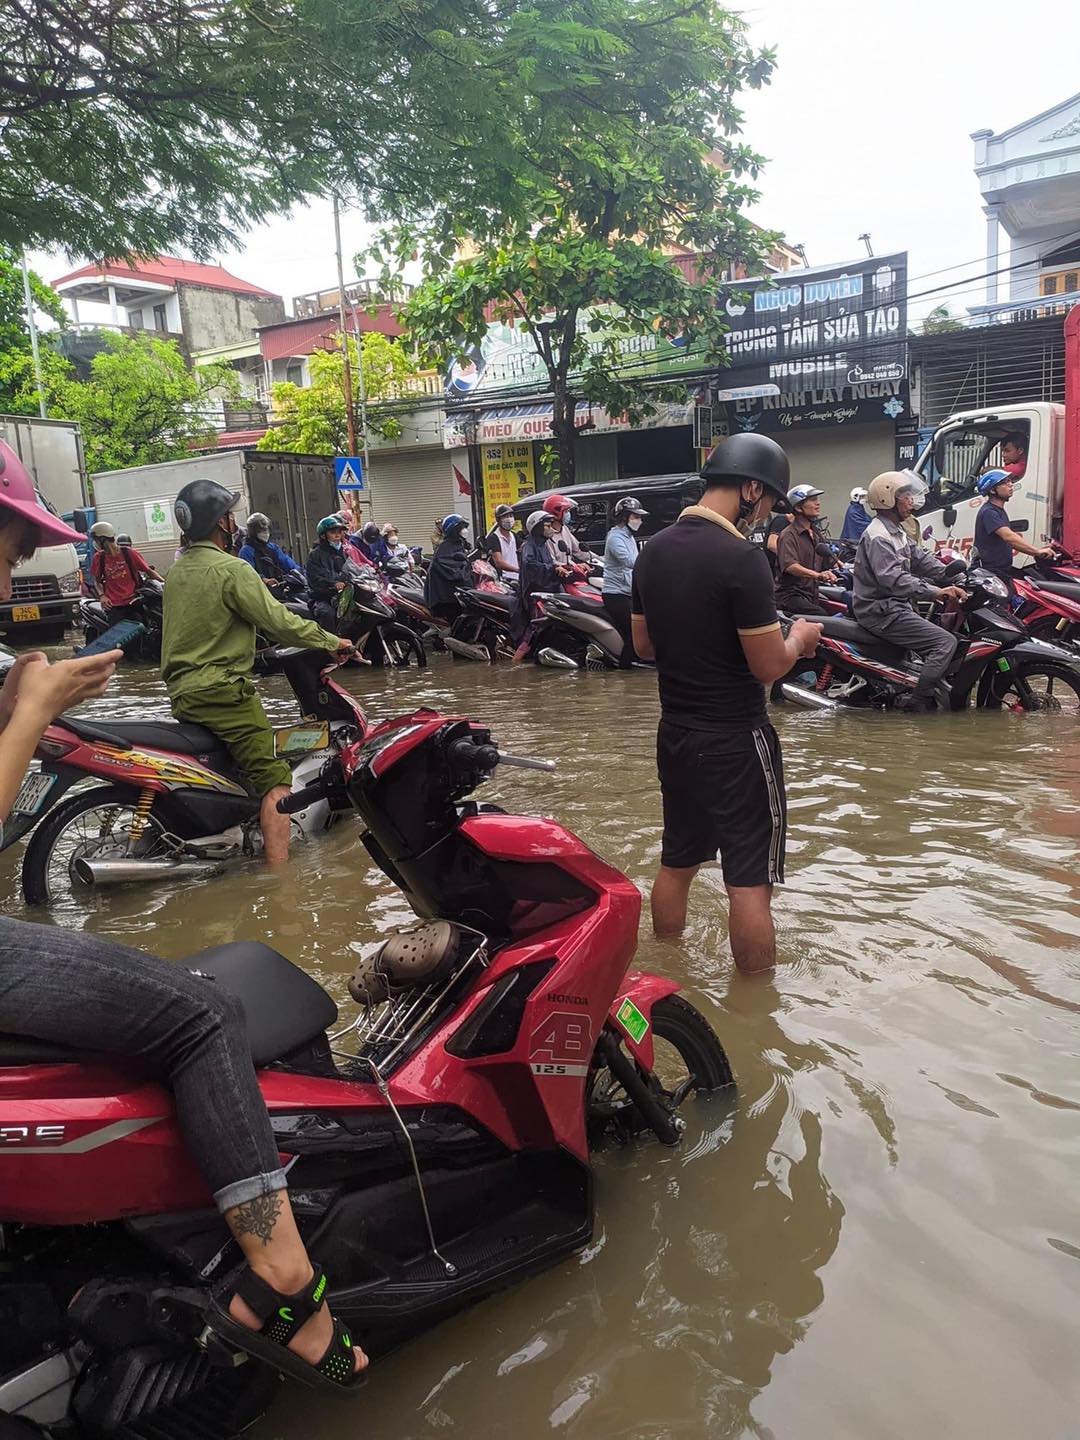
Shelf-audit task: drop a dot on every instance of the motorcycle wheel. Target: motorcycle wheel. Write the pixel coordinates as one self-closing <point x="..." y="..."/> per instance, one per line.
<point x="1043" y="687"/>
<point x="405" y="647"/>
<point x="102" y="815"/>
<point x="688" y="1058"/>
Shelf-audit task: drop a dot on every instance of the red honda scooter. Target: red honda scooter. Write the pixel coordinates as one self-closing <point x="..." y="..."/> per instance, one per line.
<point x="437" y="1140"/>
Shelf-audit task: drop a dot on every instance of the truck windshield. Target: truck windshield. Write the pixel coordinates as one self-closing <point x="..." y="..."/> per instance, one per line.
<point x="961" y="456"/>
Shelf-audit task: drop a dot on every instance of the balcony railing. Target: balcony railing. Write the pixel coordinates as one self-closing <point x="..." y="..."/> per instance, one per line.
<point x="358" y="292"/>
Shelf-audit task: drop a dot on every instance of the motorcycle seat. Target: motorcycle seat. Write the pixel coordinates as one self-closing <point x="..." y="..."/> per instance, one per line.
<point x="841" y="627"/>
<point x="591" y="605"/>
<point x="1069" y="588"/>
<point x="501" y="599"/>
<point x="180" y="736"/>
<point x="284" y="1007"/>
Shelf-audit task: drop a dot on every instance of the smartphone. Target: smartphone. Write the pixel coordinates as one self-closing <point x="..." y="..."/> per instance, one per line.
<point x="120" y="636"/>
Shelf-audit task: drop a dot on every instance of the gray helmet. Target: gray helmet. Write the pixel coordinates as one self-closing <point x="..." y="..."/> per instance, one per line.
<point x="538" y="517"/>
<point x="258" y="521"/>
<point x="750" y="457"/>
<point x="501" y="510"/>
<point x="200" y="505"/>
<point x="629" y="505"/>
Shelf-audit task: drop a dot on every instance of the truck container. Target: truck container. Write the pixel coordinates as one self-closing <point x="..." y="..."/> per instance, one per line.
<point x="294" y="491"/>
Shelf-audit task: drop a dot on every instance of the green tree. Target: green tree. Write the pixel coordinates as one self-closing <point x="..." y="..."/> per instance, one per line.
<point x="623" y="116"/>
<point x="14" y="335"/>
<point x="140" y="404"/>
<point x="941" y="321"/>
<point x="311" y="418"/>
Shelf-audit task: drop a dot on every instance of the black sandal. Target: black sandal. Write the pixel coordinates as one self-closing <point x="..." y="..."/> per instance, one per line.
<point x="281" y="1317"/>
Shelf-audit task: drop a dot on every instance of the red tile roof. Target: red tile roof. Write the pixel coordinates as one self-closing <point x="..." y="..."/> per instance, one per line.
<point x="167" y="270"/>
<point x="301" y="337"/>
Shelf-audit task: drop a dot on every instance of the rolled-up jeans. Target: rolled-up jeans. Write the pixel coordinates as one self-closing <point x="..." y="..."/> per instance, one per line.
<point x="78" y="990"/>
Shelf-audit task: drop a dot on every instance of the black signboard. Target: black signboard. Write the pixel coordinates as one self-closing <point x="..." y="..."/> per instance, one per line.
<point x="822" y="329"/>
<point x="814" y="409"/>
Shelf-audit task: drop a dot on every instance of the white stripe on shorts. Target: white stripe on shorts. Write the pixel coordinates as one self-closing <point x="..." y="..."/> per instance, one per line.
<point x="775" y="808"/>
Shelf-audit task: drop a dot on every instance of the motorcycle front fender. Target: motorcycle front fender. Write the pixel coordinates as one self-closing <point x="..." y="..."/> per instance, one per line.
<point x="630" y="1015"/>
<point x="1043" y="650"/>
<point x="16" y="825"/>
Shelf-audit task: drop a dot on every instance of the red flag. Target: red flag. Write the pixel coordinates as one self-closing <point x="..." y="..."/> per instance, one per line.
<point x="464" y="488"/>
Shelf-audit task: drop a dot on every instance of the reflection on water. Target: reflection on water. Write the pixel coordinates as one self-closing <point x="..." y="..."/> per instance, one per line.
<point x="882" y="1240"/>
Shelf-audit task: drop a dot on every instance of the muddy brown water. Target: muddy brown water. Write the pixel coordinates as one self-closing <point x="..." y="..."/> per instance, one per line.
<point x="884" y="1239"/>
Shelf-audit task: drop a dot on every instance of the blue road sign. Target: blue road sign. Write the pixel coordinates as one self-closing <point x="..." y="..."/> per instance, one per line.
<point x="349" y="472"/>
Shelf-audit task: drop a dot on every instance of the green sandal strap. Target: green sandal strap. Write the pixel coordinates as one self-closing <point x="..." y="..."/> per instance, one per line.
<point x="281" y="1315"/>
<point x="338" y="1362"/>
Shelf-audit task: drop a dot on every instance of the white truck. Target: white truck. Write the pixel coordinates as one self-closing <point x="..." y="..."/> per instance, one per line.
<point x="46" y="588"/>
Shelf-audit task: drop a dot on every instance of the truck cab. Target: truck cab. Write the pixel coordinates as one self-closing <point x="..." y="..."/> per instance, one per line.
<point x="45" y="594"/>
<point x="969" y="443"/>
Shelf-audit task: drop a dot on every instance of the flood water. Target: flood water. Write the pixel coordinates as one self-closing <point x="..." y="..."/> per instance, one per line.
<point x="884" y="1241"/>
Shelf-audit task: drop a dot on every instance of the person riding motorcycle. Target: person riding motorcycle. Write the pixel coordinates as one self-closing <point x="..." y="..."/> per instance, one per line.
<point x="995" y="539"/>
<point x="449" y="570"/>
<point x="857" y="517"/>
<point x="501" y="543"/>
<point x="798" y="569"/>
<point x="214" y="604"/>
<point x="562" y="542"/>
<point x="88" y="993"/>
<point x="398" y="551"/>
<point x="620" y="557"/>
<point x="117" y="570"/>
<point x="267" y="559"/>
<point x="326" y="570"/>
<point x="371" y="544"/>
<point x="539" y="574"/>
<point x="891" y="572"/>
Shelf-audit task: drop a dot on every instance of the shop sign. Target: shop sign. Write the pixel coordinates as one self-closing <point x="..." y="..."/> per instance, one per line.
<point x="532" y="421"/>
<point x="820" y="408"/>
<point x="508" y="475"/>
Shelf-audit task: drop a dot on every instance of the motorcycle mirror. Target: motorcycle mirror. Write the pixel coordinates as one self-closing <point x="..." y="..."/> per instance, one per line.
<point x="948" y="515"/>
<point x="1020" y="526"/>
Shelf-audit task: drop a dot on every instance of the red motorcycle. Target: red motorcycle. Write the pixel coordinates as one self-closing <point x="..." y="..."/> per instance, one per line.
<point x="1046" y="597"/>
<point x="438" y="1141"/>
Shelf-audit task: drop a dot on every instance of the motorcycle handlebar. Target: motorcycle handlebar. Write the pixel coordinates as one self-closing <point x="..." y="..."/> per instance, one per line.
<point x="467" y="755"/>
<point x="302" y="798"/>
<point x="525" y="762"/>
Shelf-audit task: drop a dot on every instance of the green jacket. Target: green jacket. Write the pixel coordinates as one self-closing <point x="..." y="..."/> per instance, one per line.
<point x="214" y="603"/>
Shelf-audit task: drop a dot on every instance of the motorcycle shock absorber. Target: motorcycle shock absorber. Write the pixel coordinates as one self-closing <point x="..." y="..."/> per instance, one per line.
<point x="142" y="813"/>
<point x="824" y="678"/>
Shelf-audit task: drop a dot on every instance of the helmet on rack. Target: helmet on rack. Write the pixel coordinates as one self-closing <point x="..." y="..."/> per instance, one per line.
<point x="750" y="457"/>
<point x="858" y="495"/>
<point x="559" y="506"/>
<point x="629" y="505"/>
<point x="200" y="505"/>
<point x="18" y="497"/>
<point x="102" y="531"/>
<point x="371" y="532"/>
<point x="802" y="493"/>
<point x="989" y="482"/>
<point x="538" y="517"/>
<point x="885" y="489"/>
<point x="451" y="525"/>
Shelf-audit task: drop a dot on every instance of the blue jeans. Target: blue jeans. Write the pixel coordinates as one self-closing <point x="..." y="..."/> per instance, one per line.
<point x="78" y="990"/>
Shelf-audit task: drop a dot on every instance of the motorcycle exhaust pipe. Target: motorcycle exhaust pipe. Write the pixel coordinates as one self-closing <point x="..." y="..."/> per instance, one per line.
<point x="798" y="695"/>
<point x="555" y="659"/>
<point x="121" y="872"/>
<point x="467" y="651"/>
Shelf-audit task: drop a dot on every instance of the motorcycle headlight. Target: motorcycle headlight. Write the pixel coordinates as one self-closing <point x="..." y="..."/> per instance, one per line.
<point x="994" y="586"/>
<point x="71" y="584"/>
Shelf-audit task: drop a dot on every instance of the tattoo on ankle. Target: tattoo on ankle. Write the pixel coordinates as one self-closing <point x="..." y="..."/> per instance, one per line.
<point x="256" y="1217"/>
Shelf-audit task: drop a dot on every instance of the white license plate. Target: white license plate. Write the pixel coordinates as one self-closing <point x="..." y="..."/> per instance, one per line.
<point x="32" y="793"/>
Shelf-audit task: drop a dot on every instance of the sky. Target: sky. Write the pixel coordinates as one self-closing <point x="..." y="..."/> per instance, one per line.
<point x="865" y="127"/>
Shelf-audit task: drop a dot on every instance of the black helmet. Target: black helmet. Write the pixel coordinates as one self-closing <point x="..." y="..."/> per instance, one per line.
<point x="629" y="505"/>
<point x="501" y="510"/>
<point x="200" y="505"/>
<point x="371" y="532"/>
<point x="750" y="457"/>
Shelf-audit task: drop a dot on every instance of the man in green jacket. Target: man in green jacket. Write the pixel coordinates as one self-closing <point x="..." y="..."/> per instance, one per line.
<point x="214" y="603"/>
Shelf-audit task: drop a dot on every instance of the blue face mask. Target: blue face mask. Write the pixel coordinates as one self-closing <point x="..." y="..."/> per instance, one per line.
<point x="335" y="544"/>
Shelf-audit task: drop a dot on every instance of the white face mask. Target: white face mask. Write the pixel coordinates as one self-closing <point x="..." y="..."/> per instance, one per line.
<point x="262" y="534"/>
<point x="507" y="522"/>
<point x="634" y="522"/>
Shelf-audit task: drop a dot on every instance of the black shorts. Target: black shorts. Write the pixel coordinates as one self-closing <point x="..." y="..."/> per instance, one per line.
<point x="723" y="794"/>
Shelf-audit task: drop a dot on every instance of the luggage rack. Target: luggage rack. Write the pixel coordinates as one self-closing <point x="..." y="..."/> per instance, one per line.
<point x="387" y="1029"/>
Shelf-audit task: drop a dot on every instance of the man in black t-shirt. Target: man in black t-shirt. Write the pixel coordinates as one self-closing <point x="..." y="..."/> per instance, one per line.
<point x="703" y="608"/>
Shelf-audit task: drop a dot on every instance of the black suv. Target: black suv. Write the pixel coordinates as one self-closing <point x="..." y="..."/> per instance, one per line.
<point x="663" y="496"/>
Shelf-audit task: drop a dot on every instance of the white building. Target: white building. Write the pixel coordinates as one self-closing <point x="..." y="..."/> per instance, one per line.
<point x="1029" y="176"/>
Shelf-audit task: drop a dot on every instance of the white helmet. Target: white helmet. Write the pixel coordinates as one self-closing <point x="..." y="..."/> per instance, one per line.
<point x="885" y="489"/>
<point x="858" y="495"/>
<point x="538" y="517"/>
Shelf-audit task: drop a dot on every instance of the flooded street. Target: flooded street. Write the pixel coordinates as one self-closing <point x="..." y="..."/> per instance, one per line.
<point x="884" y="1240"/>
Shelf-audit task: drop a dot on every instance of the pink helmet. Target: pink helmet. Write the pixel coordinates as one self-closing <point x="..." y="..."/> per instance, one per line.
<point x="17" y="493"/>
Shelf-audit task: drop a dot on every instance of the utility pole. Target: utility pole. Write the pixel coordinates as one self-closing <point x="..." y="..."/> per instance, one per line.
<point x="363" y="407"/>
<point x="865" y="238"/>
<point x="350" y="416"/>
<point x="32" y="326"/>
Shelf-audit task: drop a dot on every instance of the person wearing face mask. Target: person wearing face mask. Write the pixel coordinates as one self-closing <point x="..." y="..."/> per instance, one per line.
<point x="325" y="570"/>
<point x="857" y="516"/>
<point x="214" y="605"/>
<point x="449" y="570"/>
<point x="501" y="543"/>
<point x="562" y="542"/>
<point x="620" y="557"/>
<point x="398" y="552"/>
<point x="268" y="561"/>
<point x="703" y="608"/>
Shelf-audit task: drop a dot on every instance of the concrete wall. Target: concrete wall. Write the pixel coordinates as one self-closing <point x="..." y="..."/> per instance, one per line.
<point x="210" y="318"/>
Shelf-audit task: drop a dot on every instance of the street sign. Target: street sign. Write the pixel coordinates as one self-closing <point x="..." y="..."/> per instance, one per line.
<point x="349" y="472"/>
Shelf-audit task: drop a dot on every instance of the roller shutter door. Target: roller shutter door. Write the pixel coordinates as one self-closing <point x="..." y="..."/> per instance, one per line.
<point x="416" y="489"/>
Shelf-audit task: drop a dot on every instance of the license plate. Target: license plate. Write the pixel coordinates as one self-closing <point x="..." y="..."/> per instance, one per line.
<point x="26" y="612"/>
<point x="32" y="793"/>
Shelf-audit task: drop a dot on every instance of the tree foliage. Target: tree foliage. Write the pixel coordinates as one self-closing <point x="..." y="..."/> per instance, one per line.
<point x="14" y="333"/>
<point x="624" y="115"/>
<point x="140" y="404"/>
<point x="941" y="321"/>
<point x="311" y="419"/>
